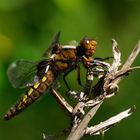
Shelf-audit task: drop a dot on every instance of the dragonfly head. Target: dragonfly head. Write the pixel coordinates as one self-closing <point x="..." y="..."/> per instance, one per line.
<point x="87" y="47"/>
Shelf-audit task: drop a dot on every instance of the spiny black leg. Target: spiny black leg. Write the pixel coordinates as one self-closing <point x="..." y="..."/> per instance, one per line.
<point x="89" y="81"/>
<point x="78" y="75"/>
<point x="64" y="78"/>
<point x="102" y="64"/>
<point x="103" y="59"/>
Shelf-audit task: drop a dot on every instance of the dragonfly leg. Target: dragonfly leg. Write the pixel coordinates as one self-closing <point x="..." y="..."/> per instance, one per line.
<point x="103" y="59"/>
<point x="78" y="75"/>
<point x="65" y="81"/>
<point x="64" y="78"/>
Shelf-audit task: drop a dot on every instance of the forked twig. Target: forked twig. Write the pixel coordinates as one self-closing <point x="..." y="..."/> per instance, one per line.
<point x="112" y="81"/>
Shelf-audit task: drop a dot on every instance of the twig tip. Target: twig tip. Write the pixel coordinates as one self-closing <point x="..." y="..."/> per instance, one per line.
<point x="132" y="109"/>
<point x="114" y="42"/>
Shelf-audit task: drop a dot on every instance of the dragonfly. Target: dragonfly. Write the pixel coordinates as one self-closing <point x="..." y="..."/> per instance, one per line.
<point x="39" y="77"/>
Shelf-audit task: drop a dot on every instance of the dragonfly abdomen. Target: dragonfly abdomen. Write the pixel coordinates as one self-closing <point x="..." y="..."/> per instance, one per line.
<point x="31" y="95"/>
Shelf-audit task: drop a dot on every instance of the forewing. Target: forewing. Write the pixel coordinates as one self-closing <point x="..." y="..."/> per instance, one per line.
<point x="73" y="43"/>
<point x="21" y="73"/>
<point x="53" y="46"/>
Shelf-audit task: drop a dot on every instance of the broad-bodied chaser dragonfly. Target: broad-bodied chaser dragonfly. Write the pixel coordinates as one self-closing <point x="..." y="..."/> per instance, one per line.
<point x="39" y="77"/>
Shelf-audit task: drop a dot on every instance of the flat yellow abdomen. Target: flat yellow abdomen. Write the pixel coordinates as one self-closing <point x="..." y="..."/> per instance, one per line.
<point x="25" y="98"/>
<point x="36" y="85"/>
<point x="30" y="91"/>
<point x="44" y="79"/>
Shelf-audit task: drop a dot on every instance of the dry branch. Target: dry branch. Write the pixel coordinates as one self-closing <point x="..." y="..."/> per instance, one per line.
<point x="106" y="125"/>
<point x="109" y="88"/>
<point x="90" y="100"/>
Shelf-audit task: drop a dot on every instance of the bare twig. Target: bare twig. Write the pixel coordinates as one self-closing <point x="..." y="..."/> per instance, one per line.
<point x="64" y="104"/>
<point x="79" y="132"/>
<point x="104" y="126"/>
<point x="130" y="60"/>
<point x="132" y="56"/>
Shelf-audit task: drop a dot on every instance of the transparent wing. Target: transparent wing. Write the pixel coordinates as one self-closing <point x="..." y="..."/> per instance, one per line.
<point x="21" y="73"/>
<point x="73" y="43"/>
<point x="53" y="46"/>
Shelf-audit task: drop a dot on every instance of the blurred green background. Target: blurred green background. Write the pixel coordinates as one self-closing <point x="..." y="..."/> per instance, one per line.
<point x="27" y="28"/>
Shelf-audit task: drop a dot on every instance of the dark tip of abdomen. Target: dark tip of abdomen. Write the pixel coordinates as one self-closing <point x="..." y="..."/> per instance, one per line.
<point x="7" y="116"/>
<point x="11" y="113"/>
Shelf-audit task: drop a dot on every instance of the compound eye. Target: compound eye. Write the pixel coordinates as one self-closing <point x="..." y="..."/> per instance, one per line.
<point x="87" y="42"/>
<point x="93" y="43"/>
